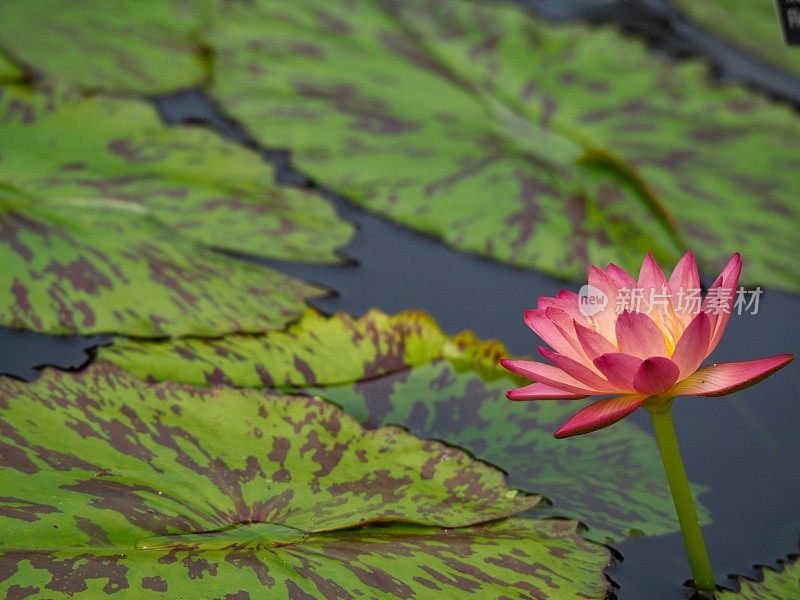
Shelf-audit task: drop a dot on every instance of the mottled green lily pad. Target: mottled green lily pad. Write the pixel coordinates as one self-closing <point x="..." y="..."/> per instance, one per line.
<point x="205" y="188"/>
<point x="541" y="145"/>
<point x="134" y="46"/>
<point x="752" y="26"/>
<point x="775" y="584"/>
<point x="404" y="370"/>
<point x="316" y="350"/>
<point x="161" y="459"/>
<point x="514" y="558"/>
<point x="114" y="485"/>
<point x="103" y="210"/>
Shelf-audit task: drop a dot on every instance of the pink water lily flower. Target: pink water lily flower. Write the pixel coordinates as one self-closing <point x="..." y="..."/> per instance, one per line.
<point x="642" y="342"/>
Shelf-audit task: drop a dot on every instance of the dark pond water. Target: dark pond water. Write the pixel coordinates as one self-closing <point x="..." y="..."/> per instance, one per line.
<point x="23" y="353"/>
<point x="744" y="447"/>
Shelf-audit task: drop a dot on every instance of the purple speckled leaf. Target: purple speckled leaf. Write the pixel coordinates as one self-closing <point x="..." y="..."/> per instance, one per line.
<point x="145" y="47"/>
<point x="515" y="558"/>
<point x="112" y="485"/>
<point x="107" y="218"/>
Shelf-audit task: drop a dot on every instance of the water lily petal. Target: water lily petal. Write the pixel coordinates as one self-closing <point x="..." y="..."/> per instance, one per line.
<point x="685" y="274"/>
<point x="637" y="334"/>
<point x="600" y="414"/>
<point x="620" y="276"/>
<point x="541" y="391"/>
<point x="655" y="375"/>
<point x="564" y="323"/>
<point x="593" y="343"/>
<point x="651" y="275"/>
<point x="652" y="281"/>
<point x="599" y="279"/>
<point x="685" y="278"/>
<point x="567" y="295"/>
<point x="692" y="347"/>
<point x="720" y="298"/>
<point x="564" y="308"/>
<point x="725" y="378"/>
<point x="579" y="371"/>
<point x="552" y="334"/>
<point x="548" y="374"/>
<point x="604" y="320"/>
<point x="566" y="301"/>
<point x="619" y="368"/>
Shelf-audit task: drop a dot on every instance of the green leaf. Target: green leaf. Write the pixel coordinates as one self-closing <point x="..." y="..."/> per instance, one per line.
<point x="752" y="26"/>
<point x="209" y="190"/>
<point x="316" y="350"/>
<point x="101" y="232"/>
<point x="541" y="145"/>
<point x="161" y="459"/>
<point x="783" y="584"/>
<point x="115" y="485"/>
<point x="96" y="267"/>
<point x="403" y="370"/>
<point x="514" y="558"/>
<point x="142" y="47"/>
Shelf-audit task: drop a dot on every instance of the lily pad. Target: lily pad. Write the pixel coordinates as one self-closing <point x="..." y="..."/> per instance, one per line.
<point x="751" y="26"/>
<point x="513" y="558"/>
<point x="115" y="485"/>
<point x="540" y="145"/>
<point x="775" y="584"/>
<point x="316" y="350"/>
<point x="403" y="370"/>
<point x="141" y="47"/>
<point x="102" y="232"/>
<point x="161" y="459"/>
<point x="209" y="190"/>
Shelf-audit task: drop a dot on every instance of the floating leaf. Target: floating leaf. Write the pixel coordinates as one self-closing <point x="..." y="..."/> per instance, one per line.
<point x="514" y="558"/>
<point x="101" y="231"/>
<point x="111" y="484"/>
<point x="143" y="47"/>
<point x="316" y="350"/>
<point x="541" y="145"/>
<point x="783" y="584"/>
<point x="408" y="372"/>
<point x="161" y="459"/>
<point x="94" y="267"/>
<point x="752" y="26"/>
<point x="209" y="190"/>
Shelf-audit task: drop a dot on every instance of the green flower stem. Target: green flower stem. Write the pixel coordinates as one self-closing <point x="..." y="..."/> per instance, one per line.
<point x="682" y="496"/>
